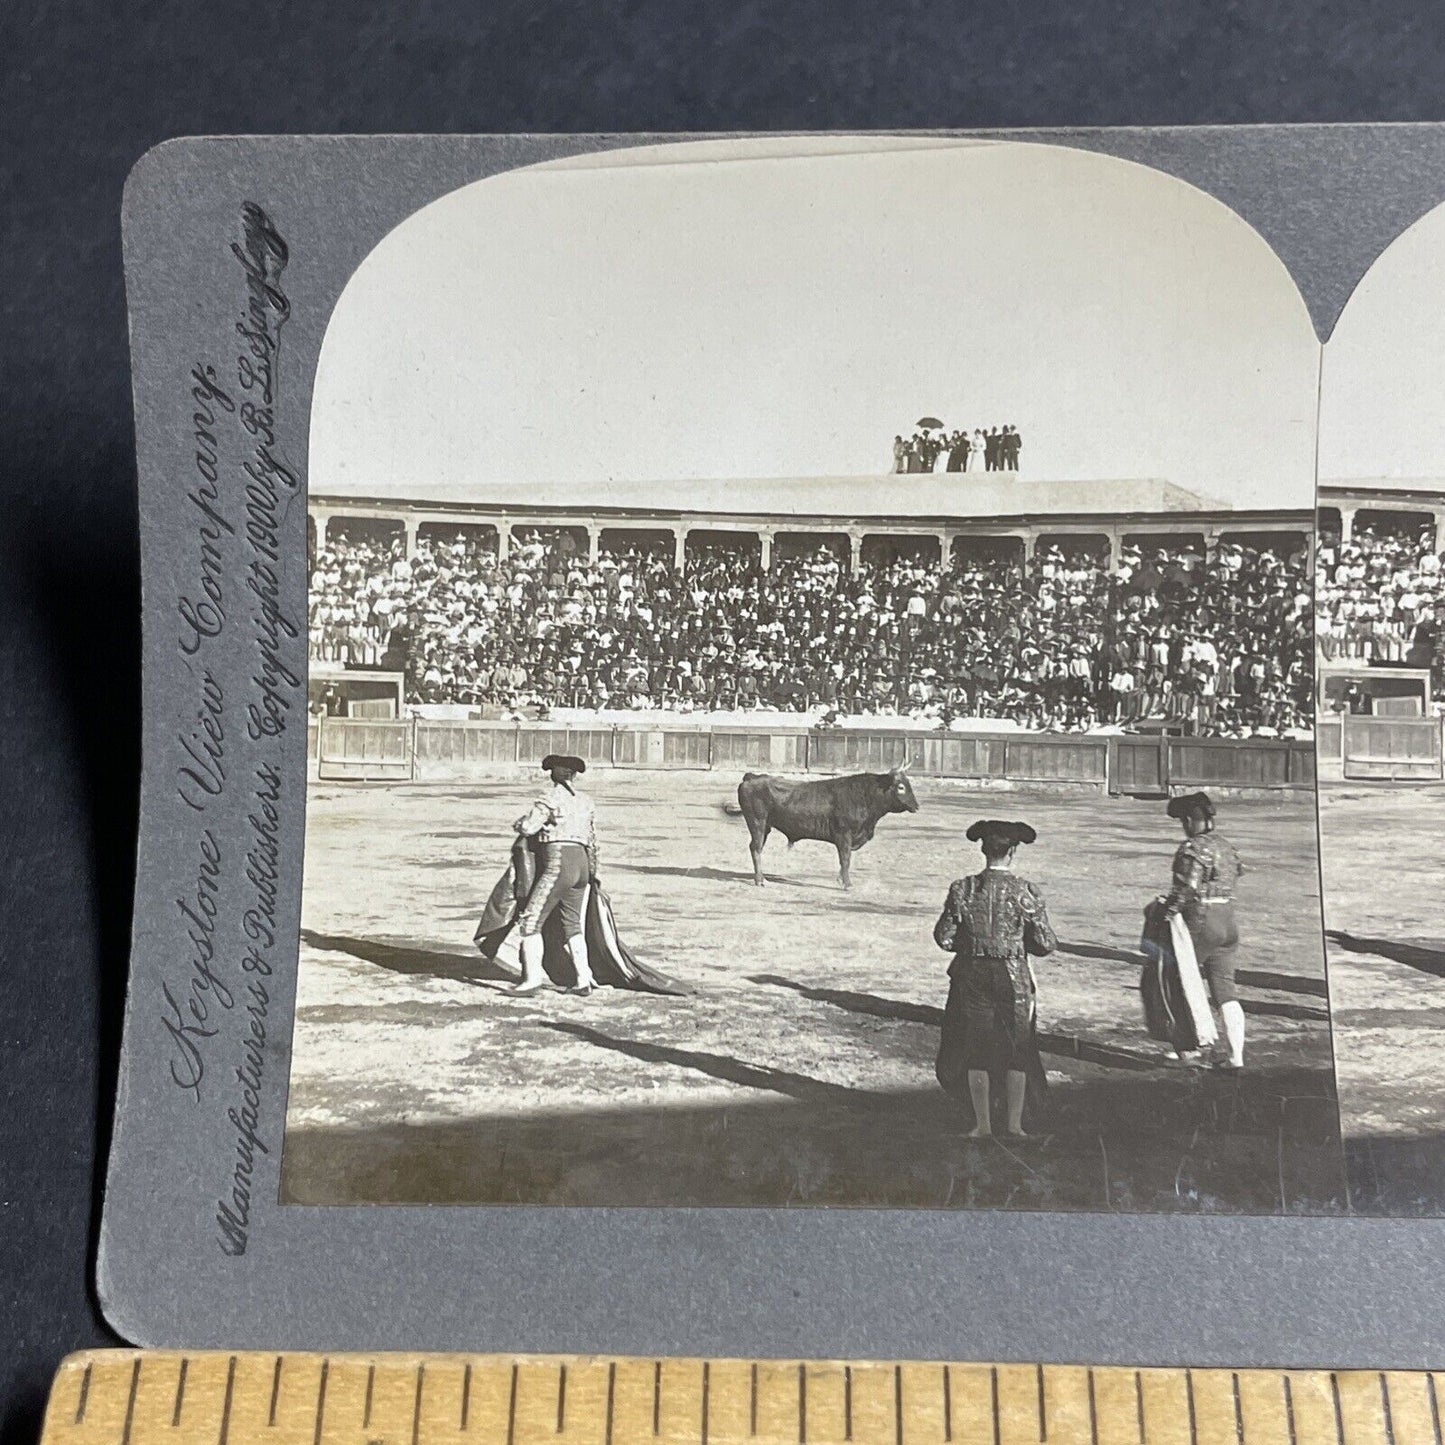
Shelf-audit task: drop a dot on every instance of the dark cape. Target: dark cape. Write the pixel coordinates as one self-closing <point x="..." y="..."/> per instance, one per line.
<point x="955" y="1055"/>
<point x="1167" y="1015"/>
<point x="613" y="963"/>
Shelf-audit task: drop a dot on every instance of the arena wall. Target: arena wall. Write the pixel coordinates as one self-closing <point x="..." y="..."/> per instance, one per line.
<point x="1329" y="745"/>
<point x="1365" y="748"/>
<point x="431" y="750"/>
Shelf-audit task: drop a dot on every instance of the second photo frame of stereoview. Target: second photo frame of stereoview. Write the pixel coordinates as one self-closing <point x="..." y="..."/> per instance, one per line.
<point x="1380" y="626"/>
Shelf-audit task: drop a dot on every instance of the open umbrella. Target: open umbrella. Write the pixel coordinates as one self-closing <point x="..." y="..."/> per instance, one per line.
<point x="929" y="421"/>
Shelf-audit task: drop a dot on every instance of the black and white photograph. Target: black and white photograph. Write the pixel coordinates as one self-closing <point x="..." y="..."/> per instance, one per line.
<point x="1380" y="609"/>
<point x="812" y="693"/>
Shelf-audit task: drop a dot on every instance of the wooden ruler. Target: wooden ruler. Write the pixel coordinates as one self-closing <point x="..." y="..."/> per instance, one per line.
<point x="142" y="1397"/>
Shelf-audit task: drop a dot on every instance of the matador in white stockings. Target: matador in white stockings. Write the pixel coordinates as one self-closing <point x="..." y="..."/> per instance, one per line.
<point x="563" y="823"/>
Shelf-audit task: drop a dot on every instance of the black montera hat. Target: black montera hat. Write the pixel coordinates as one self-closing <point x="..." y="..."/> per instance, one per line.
<point x="563" y="760"/>
<point x="992" y="830"/>
<point x="1191" y="805"/>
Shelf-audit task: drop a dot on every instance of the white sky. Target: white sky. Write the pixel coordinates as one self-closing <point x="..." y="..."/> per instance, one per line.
<point x="1382" y="397"/>
<point x="550" y="334"/>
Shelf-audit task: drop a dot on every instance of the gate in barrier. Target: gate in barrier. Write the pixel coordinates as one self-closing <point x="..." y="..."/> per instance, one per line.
<point x="370" y="749"/>
<point x="1138" y="766"/>
<point x="1392" y="748"/>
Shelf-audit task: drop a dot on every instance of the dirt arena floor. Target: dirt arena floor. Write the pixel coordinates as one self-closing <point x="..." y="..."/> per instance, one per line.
<point x="800" y="1069"/>
<point x="1386" y="941"/>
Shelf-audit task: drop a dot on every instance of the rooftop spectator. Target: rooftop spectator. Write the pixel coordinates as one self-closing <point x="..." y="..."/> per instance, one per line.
<point x="959" y="450"/>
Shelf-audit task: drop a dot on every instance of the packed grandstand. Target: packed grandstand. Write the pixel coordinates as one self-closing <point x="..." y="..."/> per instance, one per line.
<point x="1380" y="595"/>
<point x="1066" y="640"/>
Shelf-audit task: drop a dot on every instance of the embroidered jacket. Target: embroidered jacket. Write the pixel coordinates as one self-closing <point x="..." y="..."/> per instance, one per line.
<point x="991" y="922"/>
<point x="1205" y="869"/>
<point x="561" y="815"/>
<point x="994" y="914"/>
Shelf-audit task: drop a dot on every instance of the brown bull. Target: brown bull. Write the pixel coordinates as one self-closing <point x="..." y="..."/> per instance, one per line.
<point x="840" y="811"/>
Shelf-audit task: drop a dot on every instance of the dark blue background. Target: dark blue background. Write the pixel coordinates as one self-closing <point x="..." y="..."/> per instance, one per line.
<point x="86" y="87"/>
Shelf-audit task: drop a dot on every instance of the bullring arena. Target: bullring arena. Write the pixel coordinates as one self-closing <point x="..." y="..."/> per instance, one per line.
<point x="798" y="1068"/>
<point x="1382" y="786"/>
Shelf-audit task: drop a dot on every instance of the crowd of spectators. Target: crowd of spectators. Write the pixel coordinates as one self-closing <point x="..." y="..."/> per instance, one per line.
<point x="1066" y="640"/>
<point x="1379" y="597"/>
<point x="994" y="450"/>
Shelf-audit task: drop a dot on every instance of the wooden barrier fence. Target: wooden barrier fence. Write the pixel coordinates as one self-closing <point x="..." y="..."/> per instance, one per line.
<point x="422" y="749"/>
<point x="1364" y="748"/>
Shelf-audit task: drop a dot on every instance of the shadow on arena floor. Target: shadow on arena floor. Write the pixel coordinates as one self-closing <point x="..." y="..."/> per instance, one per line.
<point x="1412" y="955"/>
<point x="717" y="875"/>
<point x="1284" y="982"/>
<point x="1249" y="977"/>
<point x="1070" y="1046"/>
<point x="1302" y="1013"/>
<point x="1264" y="1142"/>
<point x="1062" y="1045"/>
<point x="1101" y="950"/>
<point x="469" y="967"/>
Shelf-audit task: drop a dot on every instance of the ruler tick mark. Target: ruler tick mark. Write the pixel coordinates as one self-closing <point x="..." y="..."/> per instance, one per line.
<point x="1339" y="1413"/>
<point x="1193" y="1417"/>
<point x="180" y="1392"/>
<point x="1238" y="1409"/>
<point x="947" y="1405"/>
<point x="898" y="1404"/>
<point x="275" y="1390"/>
<point x="802" y="1405"/>
<point x="512" y="1409"/>
<point x="466" y="1394"/>
<point x="1434" y="1407"/>
<point x="1043" y="1418"/>
<point x="1139" y="1405"/>
<point x="321" y="1402"/>
<point x="993" y="1386"/>
<point x="226" y="1403"/>
<point x="753" y="1404"/>
<point x="416" y="1406"/>
<point x="705" y="1390"/>
<point x="561" y="1399"/>
<point x="611" y="1394"/>
<point x="1385" y="1407"/>
<point x="365" y="1409"/>
<point x="1093" y="1412"/>
<point x="130" y="1402"/>
<point x="1289" y="1410"/>
<point x="657" y="1397"/>
<point x="84" y="1395"/>
<point x="847" y="1402"/>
